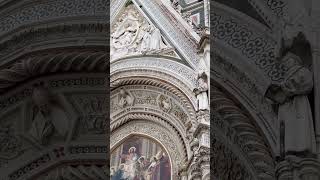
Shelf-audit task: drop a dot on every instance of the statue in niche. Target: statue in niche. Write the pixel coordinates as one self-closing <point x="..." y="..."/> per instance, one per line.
<point x="48" y="117"/>
<point x="164" y="103"/>
<point x="291" y="96"/>
<point x="125" y="98"/>
<point x="202" y="92"/>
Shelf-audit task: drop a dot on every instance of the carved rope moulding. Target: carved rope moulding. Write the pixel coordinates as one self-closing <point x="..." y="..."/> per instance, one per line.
<point x="188" y="75"/>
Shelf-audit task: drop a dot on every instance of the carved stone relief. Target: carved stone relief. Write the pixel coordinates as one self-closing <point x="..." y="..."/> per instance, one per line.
<point x="147" y="97"/>
<point x="92" y="112"/>
<point x="132" y="34"/>
<point x="48" y="117"/>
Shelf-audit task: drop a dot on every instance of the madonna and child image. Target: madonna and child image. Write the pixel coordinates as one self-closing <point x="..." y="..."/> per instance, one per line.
<point x="139" y="158"/>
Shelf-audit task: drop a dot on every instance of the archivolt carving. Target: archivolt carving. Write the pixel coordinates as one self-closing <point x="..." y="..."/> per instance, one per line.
<point x="41" y="37"/>
<point x="60" y="61"/>
<point x="149" y="118"/>
<point x="162" y="64"/>
<point x="146" y="107"/>
<point x="138" y="77"/>
<point x="228" y="74"/>
<point x="225" y="164"/>
<point x="32" y="12"/>
<point x="166" y="137"/>
<point x="259" y="50"/>
<point x="86" y="171"/>
<point x="240" y="130"/>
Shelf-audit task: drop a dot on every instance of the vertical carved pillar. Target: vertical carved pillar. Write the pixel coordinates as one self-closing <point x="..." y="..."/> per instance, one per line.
<point x="201" y="149"/>
<point x="315" y="38"/>
<point x="206" y="5"/>
<point x="205" y="163"/>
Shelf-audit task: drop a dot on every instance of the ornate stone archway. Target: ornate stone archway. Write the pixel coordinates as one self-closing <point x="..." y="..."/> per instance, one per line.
<point x="161" y="105"/>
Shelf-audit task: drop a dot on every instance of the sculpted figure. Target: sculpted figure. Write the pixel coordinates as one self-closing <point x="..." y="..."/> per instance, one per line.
<point x="125" y="98"/>
<point x="294" y="107"/>
<point x="156" y="42"/>
<point x="164" y="103"/>
<point x="191" y="128"/>
<point x="145" y="38"/>
<point x="49" y="117"/>
<point x="202" y="92"/>
<point x="42" y="126"/>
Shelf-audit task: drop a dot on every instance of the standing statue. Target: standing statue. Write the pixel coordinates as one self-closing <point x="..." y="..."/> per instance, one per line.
<point x="294" y="108"/>
<point x="202" y="92"/>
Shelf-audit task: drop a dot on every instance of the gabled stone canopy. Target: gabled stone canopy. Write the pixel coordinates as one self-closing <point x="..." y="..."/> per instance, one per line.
<point x="174" y="33"/>
<point x="133" y="34"/>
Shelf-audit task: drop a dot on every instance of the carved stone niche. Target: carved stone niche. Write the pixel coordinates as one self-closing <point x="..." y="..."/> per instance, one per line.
<point x="165" y="136"/>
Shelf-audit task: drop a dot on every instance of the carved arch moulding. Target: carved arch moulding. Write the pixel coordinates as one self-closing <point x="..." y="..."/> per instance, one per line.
<point x="249" y="94"/>
<point x="79" y="99"/>
<point x="237" y="139"/>
<point x="179" y="78"/>
<point x="28" y="12"/>
<point x="77" y="82"/>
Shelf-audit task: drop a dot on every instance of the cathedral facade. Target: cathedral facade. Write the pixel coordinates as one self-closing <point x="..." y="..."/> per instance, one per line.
<point x="159" y="81"/>
<point x="159" y="90"/>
